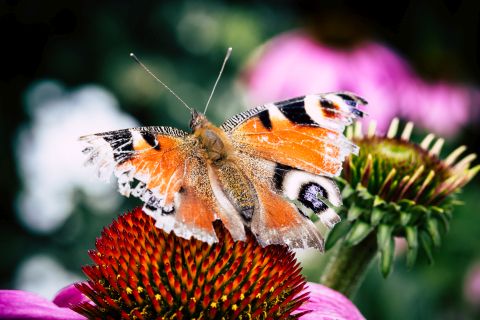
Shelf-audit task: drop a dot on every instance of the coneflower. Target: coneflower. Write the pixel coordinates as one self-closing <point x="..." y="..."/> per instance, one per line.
<point x="141" y="272"/>
<point x="393" y="188"/>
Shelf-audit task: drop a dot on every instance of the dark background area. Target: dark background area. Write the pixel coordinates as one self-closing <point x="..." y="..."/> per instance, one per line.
<point x="85" y="42"/>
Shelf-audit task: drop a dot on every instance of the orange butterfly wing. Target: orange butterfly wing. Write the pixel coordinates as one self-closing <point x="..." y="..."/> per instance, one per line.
<point x="163" y="167"/>
<point x="304" y="133"/>
<point x="290" y="150"/>
<point x="147" y="158"/>
<point x="279" y="222"/>
<point x="286" y="199"/>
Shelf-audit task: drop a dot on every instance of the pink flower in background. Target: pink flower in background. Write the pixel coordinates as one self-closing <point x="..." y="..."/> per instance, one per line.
<point x="441" y="107"/>
<point x="327" y="304"/>
<point x="16" y="304"/>
<point x="324" y="303"/>
<point x="295" y="64"/>
<point x="472" y="285"/>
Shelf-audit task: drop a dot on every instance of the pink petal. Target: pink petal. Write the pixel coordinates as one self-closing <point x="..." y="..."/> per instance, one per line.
<point x="472" y="285"/>
<point x="16" y="304"/>
<point x="69" y="296"/>
<point x="295" y="64"/>
<point x="328" y="304"/>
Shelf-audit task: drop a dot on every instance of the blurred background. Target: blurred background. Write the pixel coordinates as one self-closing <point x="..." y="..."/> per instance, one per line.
<point x="66" y="71"/>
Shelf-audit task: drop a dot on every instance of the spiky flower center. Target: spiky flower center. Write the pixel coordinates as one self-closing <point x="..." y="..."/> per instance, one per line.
<point x="399" y="153"/>
<point x="397" y="169"/>
<point x="393" y="168"/>
<point x="144" y="273"/>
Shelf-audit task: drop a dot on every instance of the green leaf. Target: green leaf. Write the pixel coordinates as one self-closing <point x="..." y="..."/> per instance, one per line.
<point x="338" y="231"/>
<point x="419" y="210"/>
<point x="427" y="245"/>
<point x="354" y="212"/>
<point x="378" y="201"/>
<point x="357" y="233"/>
<point x="360" y="188"/>
<point x="436" y="209"/>
<point x="418" y="213"/>
<point x="377" y="215"/>
<point x="406" y="203"/>
<point x="445" y="219"/>
<point x="386" y="256"/>
<point x="363" y="193"/>
<point x="394" y="207"/>
<point x="434" y="231"/>
<point x="411" y="234"/>
<point x="347" y="191"/>
<point x="384" y="233"/>
<point x="405" y="218"/>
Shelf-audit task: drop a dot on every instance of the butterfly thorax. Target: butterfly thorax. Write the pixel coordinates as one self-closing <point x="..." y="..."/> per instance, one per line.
<point x="213" y="139"/>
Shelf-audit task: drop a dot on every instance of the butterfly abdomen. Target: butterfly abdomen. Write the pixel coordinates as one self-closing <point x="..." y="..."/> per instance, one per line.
<point x="238" y="188"/>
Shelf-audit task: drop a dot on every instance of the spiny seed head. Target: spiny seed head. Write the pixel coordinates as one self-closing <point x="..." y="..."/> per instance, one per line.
<point x="397" y="188"/>
<point x="141" y="272"/>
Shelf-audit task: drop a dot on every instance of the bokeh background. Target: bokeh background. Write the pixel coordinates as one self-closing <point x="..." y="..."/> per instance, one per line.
<point x="66" y="71"/>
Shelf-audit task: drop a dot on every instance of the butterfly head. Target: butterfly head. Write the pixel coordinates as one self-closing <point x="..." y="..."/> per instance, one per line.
<point x="198" y="120"/>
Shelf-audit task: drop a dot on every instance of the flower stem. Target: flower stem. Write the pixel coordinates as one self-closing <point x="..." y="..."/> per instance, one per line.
<point x="347" y="265"/>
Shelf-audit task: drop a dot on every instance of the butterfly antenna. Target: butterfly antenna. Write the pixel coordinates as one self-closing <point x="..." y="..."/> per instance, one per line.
<point x="134" y="57"/>
<point x="229" y="51"/>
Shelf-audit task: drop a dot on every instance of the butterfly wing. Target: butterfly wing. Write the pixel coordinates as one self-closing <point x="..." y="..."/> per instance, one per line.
<point x="293" y="148"/>
<point x="286" y="198"/>
<point x="281" y="147"/>
<point x="304" y="133"/>
<point x="162" y="167"/>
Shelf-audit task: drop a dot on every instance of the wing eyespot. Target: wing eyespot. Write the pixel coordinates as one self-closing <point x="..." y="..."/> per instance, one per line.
<point x="310" y="194"/>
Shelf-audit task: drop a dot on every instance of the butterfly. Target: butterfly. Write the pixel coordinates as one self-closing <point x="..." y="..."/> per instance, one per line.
<point x="266" y="169"/>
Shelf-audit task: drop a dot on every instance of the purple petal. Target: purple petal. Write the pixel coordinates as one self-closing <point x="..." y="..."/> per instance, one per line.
<point x="69" y="296"/>
<point x="16" y="304"/>
<point x="328" y="304"/>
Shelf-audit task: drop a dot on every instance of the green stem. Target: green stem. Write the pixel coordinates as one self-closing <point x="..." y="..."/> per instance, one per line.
<point x="346" y="267"/>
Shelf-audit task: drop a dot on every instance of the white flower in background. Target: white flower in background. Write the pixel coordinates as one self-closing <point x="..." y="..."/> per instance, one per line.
<point x="44" y="275"/>
<point x="50" y="161"/>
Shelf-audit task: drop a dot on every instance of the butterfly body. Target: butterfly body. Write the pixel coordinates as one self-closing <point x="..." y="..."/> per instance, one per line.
<point x="225" y="169"/>
<point x="248" y="173"/>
